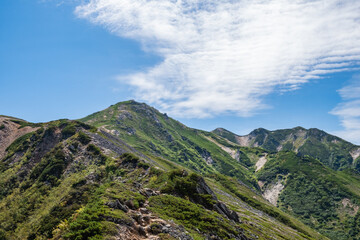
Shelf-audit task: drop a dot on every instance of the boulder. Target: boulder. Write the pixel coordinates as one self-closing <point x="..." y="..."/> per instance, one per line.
<point x="117" y="205"/>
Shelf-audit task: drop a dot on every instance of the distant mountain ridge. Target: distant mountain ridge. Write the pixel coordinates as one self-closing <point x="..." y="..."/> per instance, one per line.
<point x="330" y="150"/>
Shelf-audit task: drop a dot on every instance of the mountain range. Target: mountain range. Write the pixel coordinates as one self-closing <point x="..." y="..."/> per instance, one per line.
<point x="132" y="172"/>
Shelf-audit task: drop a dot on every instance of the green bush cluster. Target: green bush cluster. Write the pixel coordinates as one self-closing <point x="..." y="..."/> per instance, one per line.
<point x="68" y="131"/>
<point x="21" y="144"/>
<point x="314" y="198"/>
<point x="86" y="224"/>
<point x="192" y="216"/>
<point x="244" y="159"/>
<point x="133" y="161"/>
<point x="185" y="186"/>
<point x="129" y="158"/>
<point x="79" y="194"/>
<point x="2" y="235"/>
<point x="116" y="190"/>
<point x="352" y="227"/>
<point x="97" y="153"/>
<point x="51" y="167"/>
<point x="25" y="124"/>
<point x="83" y="138"/>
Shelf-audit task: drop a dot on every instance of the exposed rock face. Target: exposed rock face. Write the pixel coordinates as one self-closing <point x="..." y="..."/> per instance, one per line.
<point x="142" y="224"/>
<point x="115" y="145"/>
<point x="235" y="154"/>
<point x="147" y="192"/>
<point x="260" y="163"/>
<point x="355" y="153"/>
<point x="349" y="207"/>
<point x="222" y="209"/>
<point x="203" y="188"/>
<point x="118" y="205"/>
<point x="147" y="226"/>
<point x="272" y="192"/>
<point x="40" y="141"/>
<point x="124" y="115"/>
<point x="205" y="155"/>
<point x="261" y="184"/>
<point x="9" y="132"/>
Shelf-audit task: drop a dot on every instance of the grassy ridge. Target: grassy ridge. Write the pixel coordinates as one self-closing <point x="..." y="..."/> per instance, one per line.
<point x="148" y="130"/>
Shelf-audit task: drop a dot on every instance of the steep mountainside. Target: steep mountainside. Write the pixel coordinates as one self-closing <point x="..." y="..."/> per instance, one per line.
<point x="150" y="131"/>
<point x="154" y="133"/>
<point x="321" y="197"/>
<point x="131" y="172"/>
<point x="301" y="185"/>
<point x="10" y="131"/>
<point x="330" y="150"/>
<point x="68" y="180"/>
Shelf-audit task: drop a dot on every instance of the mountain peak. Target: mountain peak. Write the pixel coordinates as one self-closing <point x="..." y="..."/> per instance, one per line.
<point x="131" y="101"/>
<point x="299" y="128"/>
<point x="259" y="132"/>
<point x="221" y="130"/>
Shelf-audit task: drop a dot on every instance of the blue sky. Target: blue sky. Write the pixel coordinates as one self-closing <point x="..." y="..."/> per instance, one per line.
<point x="68" y="59"/>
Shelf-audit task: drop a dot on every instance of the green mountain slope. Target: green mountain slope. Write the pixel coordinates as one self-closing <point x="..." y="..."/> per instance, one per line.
<point x="301" y="185"/>
<point x="330" y="150"/>
<point x="131" y="172"/>
<point x="148" y="130"/>
<point x="155" y="134"/>
<point x="68" y="180"/>
<point x="321" y="197"/>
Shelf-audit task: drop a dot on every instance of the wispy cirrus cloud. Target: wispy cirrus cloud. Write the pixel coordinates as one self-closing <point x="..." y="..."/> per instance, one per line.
<point x="224" y="56"/>
<point x="349" y="111"/>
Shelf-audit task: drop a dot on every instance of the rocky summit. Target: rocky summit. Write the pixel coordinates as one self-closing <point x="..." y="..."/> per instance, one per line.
<point x="132" y="172"/>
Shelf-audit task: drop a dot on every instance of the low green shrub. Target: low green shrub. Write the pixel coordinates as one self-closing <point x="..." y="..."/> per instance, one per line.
<point x="2" y="235"/>
<point x="68" y="131"/>
<point x="129" y="158"/>
<point x="192" y="216"/>
<point x="50" y="168"/>
<point x="94" y="149"/>
<point x="86" y="225"/>
<point x="143" y="165"/>
<point x="97" y="153"/>
<point x="83" y="138"/>
<point x="185" y="186"/>
<point x="25" y="124"/>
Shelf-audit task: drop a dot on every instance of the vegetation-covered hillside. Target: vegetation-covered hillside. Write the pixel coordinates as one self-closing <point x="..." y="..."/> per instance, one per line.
<point x="154" y="133"/>
<point x="131" y="172"/>
<point x="68" y="180"/>
<point x="321" y="197"/>
<point x="330" y="150"/>
<point x="301" y="184"/>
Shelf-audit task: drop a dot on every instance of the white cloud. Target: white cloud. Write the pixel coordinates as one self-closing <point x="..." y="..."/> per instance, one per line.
<point x="226" y="55"/>
<point x="349" y="111"/>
